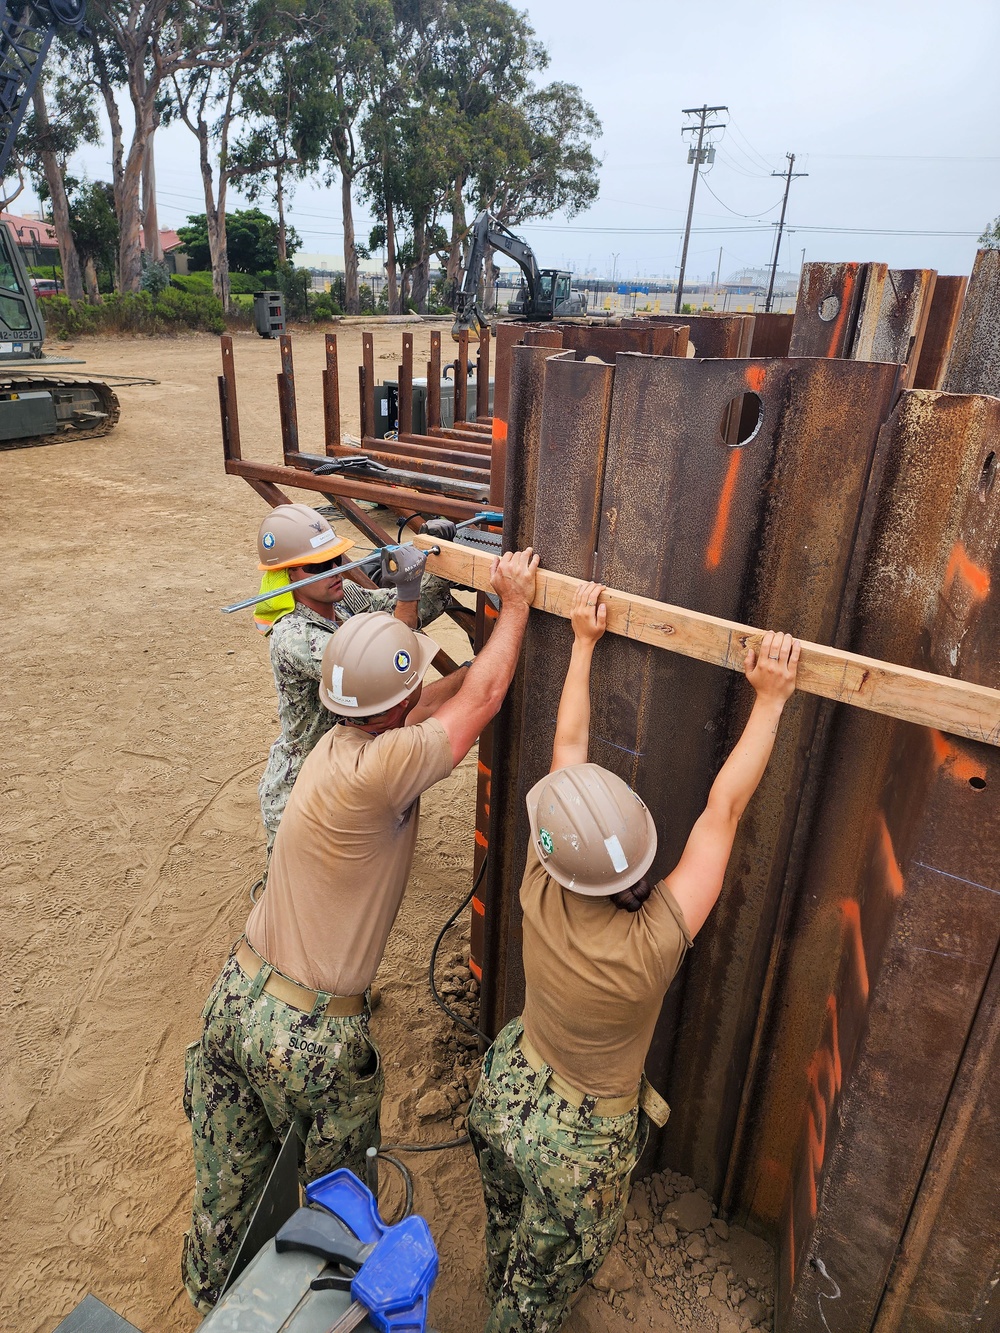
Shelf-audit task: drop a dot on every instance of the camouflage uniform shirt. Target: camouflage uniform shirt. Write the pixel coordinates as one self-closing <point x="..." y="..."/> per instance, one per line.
<point x="297" y="644"/>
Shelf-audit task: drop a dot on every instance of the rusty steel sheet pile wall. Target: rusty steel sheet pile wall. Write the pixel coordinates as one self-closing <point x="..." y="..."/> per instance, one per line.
<point x="763" y="534"/>
<point x="902" y="318"/>
<point x="880" y="971"/>
<point x="974" y="365"/>
<point x="837" y="310"/>
<point x="942" y="321"/>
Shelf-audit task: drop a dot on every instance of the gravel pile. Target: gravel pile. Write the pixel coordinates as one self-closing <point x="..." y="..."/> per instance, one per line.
<point x="674" y="1249"/>
<point x="454" y="1072"/>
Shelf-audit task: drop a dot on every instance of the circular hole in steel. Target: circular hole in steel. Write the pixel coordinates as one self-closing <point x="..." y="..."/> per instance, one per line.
<point x="977" y="784"/>
<point x="988" y="475"/>
<point x="741" y="419"/>
<point x="829" y="308"/>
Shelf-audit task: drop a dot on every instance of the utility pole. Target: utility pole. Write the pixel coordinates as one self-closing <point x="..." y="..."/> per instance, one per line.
<point x="789" y="176"/>
<point x="697" y="156"/>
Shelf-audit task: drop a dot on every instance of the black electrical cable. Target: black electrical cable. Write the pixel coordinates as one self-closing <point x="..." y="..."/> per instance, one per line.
<point x="430" y="1147"/>
<point x="407" y="1181"/>
<point x="456" y="1018"/>
<point x="402" y="524"/>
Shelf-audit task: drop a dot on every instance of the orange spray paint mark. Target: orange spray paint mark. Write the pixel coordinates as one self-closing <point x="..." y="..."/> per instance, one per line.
<point x="713" y="554"/>
<point x="850" y="913"/>
<point x="479" y="907"/>
<point x="755" y="377"/>
<point x="838" y="1072"/>
<point x="890" y="864"/>
<point x="960" y="766"/>
<point x="499" y="430"/>
<point x="481" y="839"/>
<point x="475" y="969"/>
<point x="975" y="578"/>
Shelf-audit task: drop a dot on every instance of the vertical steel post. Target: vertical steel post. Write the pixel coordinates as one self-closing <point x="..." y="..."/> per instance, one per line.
<point x="483" y="375"/>
<point x="434" y="383"/>
<point x="405" y="387"/>
<point x="462" y="380"/>
<point x="286" y="400"/>
<point x="974" y="365"/>
<point x="331" y="397"/>
<point x="368" y="387"/>
<point x="228" y="402"/>
<point x="946" y="306"/>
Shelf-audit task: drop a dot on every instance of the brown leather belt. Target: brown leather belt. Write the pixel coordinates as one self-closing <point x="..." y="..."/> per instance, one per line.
<point x="290" y="992"/>
<point x="602" y="1105"/>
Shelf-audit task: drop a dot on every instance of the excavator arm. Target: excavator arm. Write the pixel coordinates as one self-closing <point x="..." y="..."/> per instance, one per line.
<point x="26" y="31"/>
<point x="486" y="233"/>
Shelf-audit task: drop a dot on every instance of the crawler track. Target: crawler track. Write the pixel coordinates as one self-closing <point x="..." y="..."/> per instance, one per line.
<point x="84" y="408"/>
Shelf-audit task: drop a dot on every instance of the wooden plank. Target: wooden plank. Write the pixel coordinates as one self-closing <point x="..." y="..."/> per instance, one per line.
<point x="952" y="706"/>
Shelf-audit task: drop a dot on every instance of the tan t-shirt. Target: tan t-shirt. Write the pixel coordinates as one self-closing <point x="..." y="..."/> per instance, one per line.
<point x="595" y="977"/>
<point x="343" y="854"/>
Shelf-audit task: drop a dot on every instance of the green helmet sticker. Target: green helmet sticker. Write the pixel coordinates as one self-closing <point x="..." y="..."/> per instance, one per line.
<point x="545" y="838"/>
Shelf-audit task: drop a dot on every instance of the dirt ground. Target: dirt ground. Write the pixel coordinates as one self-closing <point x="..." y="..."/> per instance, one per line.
<point x="137" y="720"/>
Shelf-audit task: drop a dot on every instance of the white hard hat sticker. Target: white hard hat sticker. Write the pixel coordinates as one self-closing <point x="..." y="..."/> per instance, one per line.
<point x="618" y="858"/>
<point x="323" y="539"/>
<point x="348" y="700"/>
<point x="267" y="541"/>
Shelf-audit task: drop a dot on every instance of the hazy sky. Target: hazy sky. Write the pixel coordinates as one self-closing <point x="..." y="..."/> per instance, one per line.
<point x="892" y="108"/>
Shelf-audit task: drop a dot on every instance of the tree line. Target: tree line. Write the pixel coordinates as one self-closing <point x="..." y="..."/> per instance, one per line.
<point x="423" y="111"/>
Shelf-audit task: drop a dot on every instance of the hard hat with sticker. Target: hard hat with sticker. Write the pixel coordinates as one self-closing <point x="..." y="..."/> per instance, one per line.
<point x="267" y="540"/>
<point x="545" y="838"/>
<point x="401" y="661"/>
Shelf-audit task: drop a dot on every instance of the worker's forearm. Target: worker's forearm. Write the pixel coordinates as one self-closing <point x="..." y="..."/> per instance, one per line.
<point x="435" y="694"/>
<point x="494" y="667"/>
<point x="573" y="718"/>
<point x="739" y="776"/>
<point x="407" y="612"/>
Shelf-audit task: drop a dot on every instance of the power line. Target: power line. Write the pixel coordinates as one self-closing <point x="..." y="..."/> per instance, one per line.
<point x="754" y="152"/>
<point x="733" y="210"/>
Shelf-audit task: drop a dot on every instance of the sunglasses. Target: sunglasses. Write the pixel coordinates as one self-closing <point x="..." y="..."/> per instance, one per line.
<point x="324" y="566"/>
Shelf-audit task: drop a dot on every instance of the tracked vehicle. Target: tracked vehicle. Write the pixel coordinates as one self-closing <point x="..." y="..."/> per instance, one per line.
<point x="38" y="404"/>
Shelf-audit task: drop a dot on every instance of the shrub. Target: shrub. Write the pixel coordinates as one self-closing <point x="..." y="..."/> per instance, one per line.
<point x="324" y="306"/>
<point x="135" y="312"/>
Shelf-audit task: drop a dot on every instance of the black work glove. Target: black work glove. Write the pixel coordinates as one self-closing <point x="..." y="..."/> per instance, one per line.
<point x="442" y="528"/>
<point x="403" y="567"/>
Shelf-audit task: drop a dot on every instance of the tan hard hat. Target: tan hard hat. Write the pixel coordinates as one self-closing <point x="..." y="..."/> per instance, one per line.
<point x="590" y="830"/>
<point x="372" y="663"/>
<point x="294" y="534"/>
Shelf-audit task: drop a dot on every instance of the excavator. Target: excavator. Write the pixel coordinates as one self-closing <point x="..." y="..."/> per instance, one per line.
<point x="547" y="292"/>
<point x="35" y="408"/>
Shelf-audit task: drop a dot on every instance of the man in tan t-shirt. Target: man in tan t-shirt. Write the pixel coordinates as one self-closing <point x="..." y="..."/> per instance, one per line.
<point x="555" y="1121"/>
<point x="285" y="1039"/>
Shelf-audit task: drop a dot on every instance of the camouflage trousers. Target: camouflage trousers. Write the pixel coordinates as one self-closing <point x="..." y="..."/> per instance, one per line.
<point x="260" y="1067"/>
<point x="555" y="1182"/>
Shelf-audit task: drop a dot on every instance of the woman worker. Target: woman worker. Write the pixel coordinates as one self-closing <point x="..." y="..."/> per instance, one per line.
<point x="555" y="1122"/>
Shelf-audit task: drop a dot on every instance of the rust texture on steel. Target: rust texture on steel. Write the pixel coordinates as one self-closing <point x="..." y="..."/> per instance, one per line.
<point x="837" y="310"/>
<point x="367" y="385"/>
<point x="974" y="366"/>
<point x="902" y="319"/>
<point x="287" y="409"/>
<point x="434" y="382"/>
<point x="760" y="534"/>
<point x="946" y="306"/>
<point x="483" y="376"/>
<point x="404" y="384"/>
<point x="527" y="375"/>
<point x="772" y="334"/>
<point x="331" y="396"/>
<point x="508" y="336"/>
<point x="431" y="447"/>
<point x="890" y="929"/>
<point x="629" y="336"/>
<point x="444" y="467"/>
<point x="228" y="402"/>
